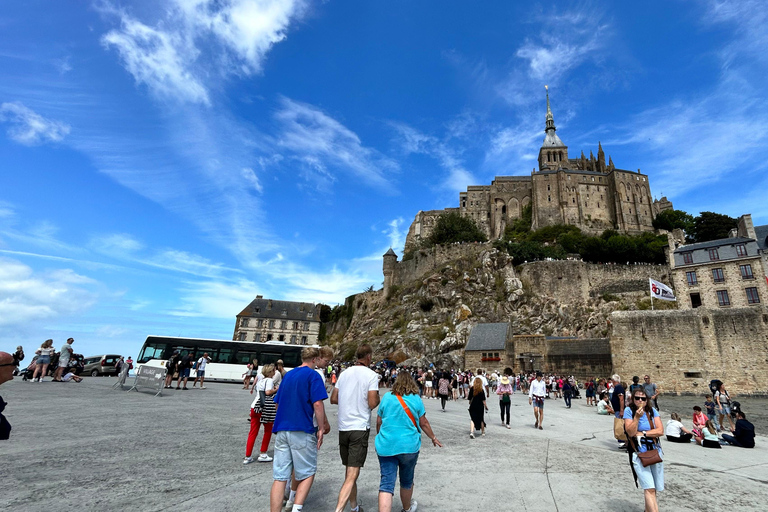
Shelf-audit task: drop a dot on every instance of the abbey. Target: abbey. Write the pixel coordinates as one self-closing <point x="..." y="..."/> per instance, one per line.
<point x="584" y="192"/>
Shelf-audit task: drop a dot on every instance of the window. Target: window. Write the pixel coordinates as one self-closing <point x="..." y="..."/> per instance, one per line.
<point x="303" y="340"/>
<point x="269" y="336"/>
<point x="741" y="250"/>
<point x="717" y="275"/>
<point x="271" y="324"/>
<point x="687" y="258"/>
<point x="306" y="326"/>
<point x="281" y="337"/>
<point x="241" y="336"/>
<point x="260" y="323"/>
<point x="695" y="300"/>
<point x="746" y="271"/>
<point x="244" y="322"/>
<point x="752" y="296"/>
<point x="293" y="339"/>
<point x="151" y="351"/>
<point x="295" y="326"/>
<point x="547" y="188"/>
<point x="284" y="313"/>
<point x="484" y="355"/>
<point x="225" y="355"/>
<point x="549" y="198"/>
<point x="256" y="310"/>
<point x="283" y="324"/>
<point x="692" y="375"/>
<point x="257" y="337"/>
<point x="722" y="298"/>
<point x="691" y="278"/>
<point x="714" y="255"/>
<point x="310" y="315"/>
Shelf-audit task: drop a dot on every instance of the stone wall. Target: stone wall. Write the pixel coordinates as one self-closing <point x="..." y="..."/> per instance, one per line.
<point x="684" y="350"/>
<point x="580" y="357"/>
<point x="427" y="260"/>
<point x="569" y="280"/>
<point x="473" y="360"/>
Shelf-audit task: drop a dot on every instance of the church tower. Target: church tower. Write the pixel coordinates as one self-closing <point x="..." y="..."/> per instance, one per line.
<point x="553" y="153"/>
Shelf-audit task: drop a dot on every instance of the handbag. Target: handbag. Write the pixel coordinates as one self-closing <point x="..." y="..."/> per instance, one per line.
<point x="618" y="429"/>
<point x="505" y="399"/>
<point x="649" y="458"/>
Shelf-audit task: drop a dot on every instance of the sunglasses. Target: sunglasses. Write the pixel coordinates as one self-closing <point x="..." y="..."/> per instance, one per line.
<point x="641" y="398"/>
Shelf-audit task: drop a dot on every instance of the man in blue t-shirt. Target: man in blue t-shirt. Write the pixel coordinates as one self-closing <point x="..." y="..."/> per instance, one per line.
<point x="299" y="397"/>
<point x="617" y="402"/>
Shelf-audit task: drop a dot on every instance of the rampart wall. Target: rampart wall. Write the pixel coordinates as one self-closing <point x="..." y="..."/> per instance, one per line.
<point x="580" y="357"/>
<point x="683" y="350"/>
<point x="427" y="260"/>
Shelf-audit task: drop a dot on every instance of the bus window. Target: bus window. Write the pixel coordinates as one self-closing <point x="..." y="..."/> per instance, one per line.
<point x="246" y="357"/>
<point x="269" y="358"/>
<point x="185" y="350"/>
<point x="153" y="351"/>
<point x="292" y="358"/>
<point x="225" y="355"/>
<point x="212" y="352"/>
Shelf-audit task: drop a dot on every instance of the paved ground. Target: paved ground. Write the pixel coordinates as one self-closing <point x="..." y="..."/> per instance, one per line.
<point x="86" y="447"/>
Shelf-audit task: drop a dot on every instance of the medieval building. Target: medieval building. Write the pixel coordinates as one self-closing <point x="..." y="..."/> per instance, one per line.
<point x="585" y="192"/>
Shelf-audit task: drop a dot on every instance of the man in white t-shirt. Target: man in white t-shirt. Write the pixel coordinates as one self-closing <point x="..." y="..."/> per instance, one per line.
<point x="64" y="356"/>
<point x="357" y="393"/>
<point x="481" y="375"/>
<point x="201" y="364"/>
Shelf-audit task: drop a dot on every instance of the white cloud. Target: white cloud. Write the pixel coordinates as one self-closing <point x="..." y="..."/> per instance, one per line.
<point x="28" y="127"/>
<point x="26" y="296"/>
<point x="320" y="142"/>
<point x="250" y="177"/>
<point x="174" y="57"/>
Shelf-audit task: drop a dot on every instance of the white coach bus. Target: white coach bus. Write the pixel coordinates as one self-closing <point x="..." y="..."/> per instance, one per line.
<point x="229" y="359"/>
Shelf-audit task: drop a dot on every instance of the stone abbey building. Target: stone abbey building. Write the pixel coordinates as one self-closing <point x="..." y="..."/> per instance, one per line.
<point x="584" y="192"/>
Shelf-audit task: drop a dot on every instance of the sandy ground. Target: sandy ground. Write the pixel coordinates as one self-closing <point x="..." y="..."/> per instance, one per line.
<point x="86" y="447"/>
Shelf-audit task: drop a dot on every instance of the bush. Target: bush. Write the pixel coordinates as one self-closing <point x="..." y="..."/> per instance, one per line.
<point x="452" y="227"/>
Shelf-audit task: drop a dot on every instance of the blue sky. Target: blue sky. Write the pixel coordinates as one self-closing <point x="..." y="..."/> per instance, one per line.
<point x="165" y="161"/>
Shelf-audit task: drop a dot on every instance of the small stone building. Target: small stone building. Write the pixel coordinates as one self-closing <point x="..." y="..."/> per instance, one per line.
<point x="486" y="347"/>
<point x="729" y="272"/>
<point x="278" y="320"/>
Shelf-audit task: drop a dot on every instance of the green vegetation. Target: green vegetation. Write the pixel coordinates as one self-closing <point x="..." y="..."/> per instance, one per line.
<point x="520" y="227"/>
<point x="452" y="227"/>
<point x="703" y="228"/>
<point x="674" y="219"/>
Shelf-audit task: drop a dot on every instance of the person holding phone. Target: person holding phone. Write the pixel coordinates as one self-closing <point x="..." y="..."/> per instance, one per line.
<point x="643" y="426"/>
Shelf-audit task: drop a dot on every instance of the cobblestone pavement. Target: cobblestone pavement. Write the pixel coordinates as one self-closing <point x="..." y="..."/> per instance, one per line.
<point x="86" y="447"/>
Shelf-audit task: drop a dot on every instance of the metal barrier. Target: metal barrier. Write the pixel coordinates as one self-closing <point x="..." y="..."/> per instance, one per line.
<point x="150" y="377"/>
<point x="122" y="377"/>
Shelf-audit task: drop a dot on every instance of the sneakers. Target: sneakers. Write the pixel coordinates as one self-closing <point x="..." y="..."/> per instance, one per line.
<point x="203" y="387"/>
<point x="248" y="460"/>
<point x="413" y="508"/>
<point x="508" y="426"/>
<point x="288" y="506"/>
<point x="622" y="446"/>
<point x="472" y="435"/>
<point x="265" y="458"/>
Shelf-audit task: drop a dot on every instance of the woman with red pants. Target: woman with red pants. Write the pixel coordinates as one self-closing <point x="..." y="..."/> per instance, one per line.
<point x="263" y="411"/>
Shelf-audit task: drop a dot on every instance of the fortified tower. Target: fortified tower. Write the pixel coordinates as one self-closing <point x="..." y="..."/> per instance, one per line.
<point x="390" y="259"/>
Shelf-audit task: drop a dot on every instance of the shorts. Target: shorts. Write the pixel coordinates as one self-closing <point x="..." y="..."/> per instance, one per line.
<point x="405" y="463"/>
<point x="183" y="374"/>
<point x="538" y="403"/>
<point x="201" y="373"/>
<point x="294" y="451"/>
<point x="353" y="447"/>
<point x="63" y="363"/>
<point x="428" y="384"/>
<point x="725" y="410"/>
<point x="649" y="477"/>
<point x="43" y="360"/>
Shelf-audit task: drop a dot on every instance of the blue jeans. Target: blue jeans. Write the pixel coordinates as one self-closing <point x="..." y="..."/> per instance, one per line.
<point x="567" y="398"/>
<point x="405" y="462"/>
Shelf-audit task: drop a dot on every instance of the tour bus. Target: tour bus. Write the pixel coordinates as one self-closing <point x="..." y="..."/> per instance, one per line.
<point x="229" y="359"/>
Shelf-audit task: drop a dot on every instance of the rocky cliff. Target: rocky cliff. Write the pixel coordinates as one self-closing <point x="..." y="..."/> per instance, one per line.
<point x="428" y="317"/>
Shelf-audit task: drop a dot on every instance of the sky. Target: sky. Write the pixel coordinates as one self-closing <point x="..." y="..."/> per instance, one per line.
<point x="163" y="162"/>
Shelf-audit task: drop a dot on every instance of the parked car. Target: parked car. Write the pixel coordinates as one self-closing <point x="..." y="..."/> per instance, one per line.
<point x="101" y="365"/>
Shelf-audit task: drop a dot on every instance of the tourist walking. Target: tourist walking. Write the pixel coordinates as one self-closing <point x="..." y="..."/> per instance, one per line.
<point x="642" y="424"/>
<point x="297" y="440"/>
<point x="589" y="391"/>
<point x="44" y="354"/>
<point x="477" y="408"/>
<point x="262" y="413"/>
<point x="651" y="391"/>
<point x="723" y="401"/>
<point x="252" y="372"/>
<point x="536" y="393"/>
<point x="505" y="391"/>
<point x="617" y="402"/>
<point x="65" y="354"/>
<point x="357" y="394"/>
<point x="200" y="370"/>
<point x="398" y="440"/>
<point x="567" y="392"/>
<point x="185" y="366"/>
<point x="170" y="369"/>
<point x="443" y="388"/>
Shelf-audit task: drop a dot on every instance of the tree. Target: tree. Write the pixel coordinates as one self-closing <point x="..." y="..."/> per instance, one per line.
<point x="452" y="227"/>
<point x="674" y="219"/>
<point x="711" y="226"/>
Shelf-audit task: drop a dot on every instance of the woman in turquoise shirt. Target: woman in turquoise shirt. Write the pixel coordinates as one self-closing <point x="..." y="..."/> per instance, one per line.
<point x="398" y="440"/>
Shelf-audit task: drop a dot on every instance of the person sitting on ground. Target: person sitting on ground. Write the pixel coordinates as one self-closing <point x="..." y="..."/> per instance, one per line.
<point x="676" y="432"/>
<point x="71" y="376"/>
<point x="604" y="406"/>
<point x="743" y="434"/>
<point x="708" y="438"/>
<point x="699" y="421"/>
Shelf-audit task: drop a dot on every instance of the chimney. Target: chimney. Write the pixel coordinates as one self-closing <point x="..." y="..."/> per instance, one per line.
<point x="745" y="227"/>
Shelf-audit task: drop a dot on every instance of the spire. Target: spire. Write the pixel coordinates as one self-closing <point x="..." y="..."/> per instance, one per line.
<point x="600" y="158"/>
<point x="550" y="118"/>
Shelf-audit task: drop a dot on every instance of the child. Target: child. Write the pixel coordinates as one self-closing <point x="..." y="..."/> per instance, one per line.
<point x="709" y="439"/>
<point x="699" y="420"/>
<point x="710" y="405"/>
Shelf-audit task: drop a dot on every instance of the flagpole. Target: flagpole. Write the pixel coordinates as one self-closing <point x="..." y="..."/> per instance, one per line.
<point x="652" y="302"/>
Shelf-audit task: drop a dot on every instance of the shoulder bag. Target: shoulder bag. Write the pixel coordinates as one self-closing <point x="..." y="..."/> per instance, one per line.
<point x="648" y="457"/>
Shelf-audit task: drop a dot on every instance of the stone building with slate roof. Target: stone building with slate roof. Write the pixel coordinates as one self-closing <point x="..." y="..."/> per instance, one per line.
<point x="277" y="320"/>
<point x="486" y="347"/>
<point x="730" y="272"/>
<point x="586" y="192"/>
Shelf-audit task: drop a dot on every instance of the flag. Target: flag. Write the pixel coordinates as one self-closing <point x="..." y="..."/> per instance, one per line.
<point x="661" y="291"/>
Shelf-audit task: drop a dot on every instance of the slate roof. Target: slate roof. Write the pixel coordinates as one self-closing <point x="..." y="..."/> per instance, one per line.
<point x="488" y="337"/>
<point x="762" y="236"/>
<point x="713" y="243"/>
<point x="280" y="310"/>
